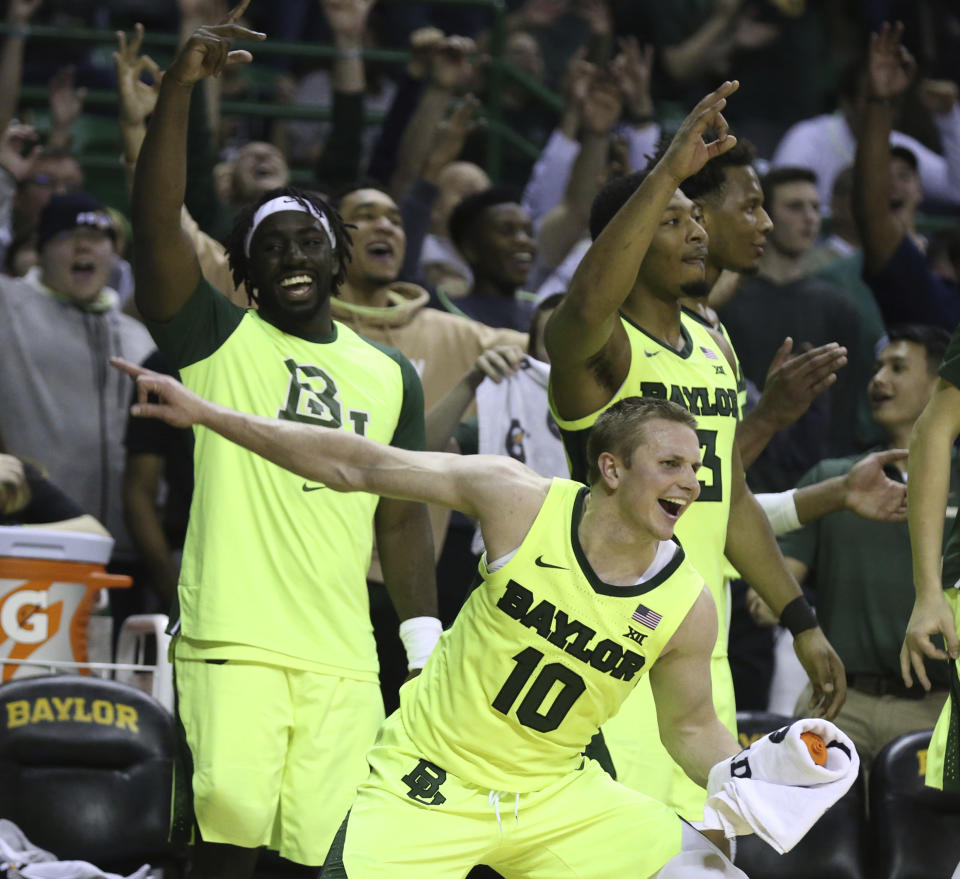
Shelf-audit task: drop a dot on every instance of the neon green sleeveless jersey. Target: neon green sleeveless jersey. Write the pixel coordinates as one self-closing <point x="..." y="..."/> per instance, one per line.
<point x="700" y="379"/>
<point x="541" y="654"/>
<point x="272" y="563"/>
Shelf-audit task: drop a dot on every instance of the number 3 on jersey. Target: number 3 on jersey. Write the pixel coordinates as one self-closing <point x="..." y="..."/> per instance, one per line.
<point x="711" y="488"/>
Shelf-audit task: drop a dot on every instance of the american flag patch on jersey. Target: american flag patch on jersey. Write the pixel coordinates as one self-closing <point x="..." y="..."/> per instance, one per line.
<point x="646" y="617"/>
<point x="709" y="353"/>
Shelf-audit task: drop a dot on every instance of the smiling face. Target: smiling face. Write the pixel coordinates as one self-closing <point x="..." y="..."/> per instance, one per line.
<point x="291" y="267"/>
<point x="77" y="263"/>
<point x="501" y="248"/>
<point x="379" y="241"/>
<point x="736" y="222"/>
<point x="901" y="386"/>
<point x="906" y="193"/>
<point x="661" y="482"/>
<point x="795" y="210"/>
<point x="676" y="258"/>
<point x="258" y="168"/>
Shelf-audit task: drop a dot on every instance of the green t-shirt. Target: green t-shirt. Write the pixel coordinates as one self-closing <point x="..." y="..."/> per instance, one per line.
<point x="950" y="371"/>
<point x="863" y="575"/>
<point x="271" y="561"/>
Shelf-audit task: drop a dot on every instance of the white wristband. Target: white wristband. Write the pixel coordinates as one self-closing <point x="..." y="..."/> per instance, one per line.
<point x="781" y="510"/>
<point x="419" y="636"/>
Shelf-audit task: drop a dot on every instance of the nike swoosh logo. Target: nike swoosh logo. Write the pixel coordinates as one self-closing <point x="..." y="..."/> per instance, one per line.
<point x="312" y="487"/>
<point x="540" y="563"/>
<point x="651" y="353"/>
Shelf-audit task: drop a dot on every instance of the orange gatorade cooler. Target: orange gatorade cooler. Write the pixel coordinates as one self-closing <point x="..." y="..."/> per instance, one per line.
<point x="49" y="582"/>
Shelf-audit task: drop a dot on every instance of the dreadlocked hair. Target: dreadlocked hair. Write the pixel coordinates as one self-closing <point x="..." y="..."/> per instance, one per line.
<point x="237" y="258"/>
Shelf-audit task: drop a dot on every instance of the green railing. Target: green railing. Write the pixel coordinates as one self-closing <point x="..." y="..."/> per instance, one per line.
<point x="163" y="45"/>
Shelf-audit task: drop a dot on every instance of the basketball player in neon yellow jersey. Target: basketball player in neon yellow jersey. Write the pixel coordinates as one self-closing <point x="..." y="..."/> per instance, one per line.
<point x="621" y="331"/>
<point x="274" y="631"/>
<point x="581" y="592"/>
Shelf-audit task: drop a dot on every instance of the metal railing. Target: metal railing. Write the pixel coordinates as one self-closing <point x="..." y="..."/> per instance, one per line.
<point x="499" y="72"/>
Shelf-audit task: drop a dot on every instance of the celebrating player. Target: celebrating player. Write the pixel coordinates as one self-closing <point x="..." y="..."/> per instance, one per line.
<point x="274" y="631"/>
<point x="581" y="592"/>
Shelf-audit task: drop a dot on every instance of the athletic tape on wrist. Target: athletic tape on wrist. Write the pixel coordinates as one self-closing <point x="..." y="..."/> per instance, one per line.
<point x="798" y="616"/>
<point x="419" y="636"/>
<point x="780" y="509"/>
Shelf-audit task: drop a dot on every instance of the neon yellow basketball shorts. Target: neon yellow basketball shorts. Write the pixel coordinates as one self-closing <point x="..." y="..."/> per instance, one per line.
<point x="943" y="755"/>
<point x="413" y="820"/>
<point x="277" y="752"/>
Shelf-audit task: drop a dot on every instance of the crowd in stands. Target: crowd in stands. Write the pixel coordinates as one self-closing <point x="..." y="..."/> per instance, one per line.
<point x="466" y="175"/>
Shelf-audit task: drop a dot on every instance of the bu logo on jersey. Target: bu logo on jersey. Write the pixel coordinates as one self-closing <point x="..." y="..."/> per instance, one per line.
<point x="313" y="398"/>
<point x="424" y="781"/>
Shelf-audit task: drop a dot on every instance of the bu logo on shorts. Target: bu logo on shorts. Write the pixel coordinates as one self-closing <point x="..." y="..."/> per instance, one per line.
<point x="424" y="781"/>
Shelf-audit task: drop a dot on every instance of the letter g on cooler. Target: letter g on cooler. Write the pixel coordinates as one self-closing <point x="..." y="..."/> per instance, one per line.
<point x="34" y="628"/>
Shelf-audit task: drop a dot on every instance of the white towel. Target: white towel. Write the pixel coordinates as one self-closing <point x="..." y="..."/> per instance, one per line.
<point x="16" y="849"/>
<point x="774" y="789"/>
<point x="72" y="870"/>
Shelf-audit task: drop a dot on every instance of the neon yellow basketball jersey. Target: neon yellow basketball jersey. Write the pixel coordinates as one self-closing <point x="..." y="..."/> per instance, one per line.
<point x="541" y="654"/>
<point x="700" y="379"/>
<point x="272" y="562"/>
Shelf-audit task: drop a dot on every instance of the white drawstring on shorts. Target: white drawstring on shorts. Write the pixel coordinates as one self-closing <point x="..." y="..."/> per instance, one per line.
<point x="493" y="799"/>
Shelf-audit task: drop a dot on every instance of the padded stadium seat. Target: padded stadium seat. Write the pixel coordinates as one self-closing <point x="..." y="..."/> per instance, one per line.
<point x="915" y="829"/>
<point x="833" y="849"/>
<point x="85" y="770"/>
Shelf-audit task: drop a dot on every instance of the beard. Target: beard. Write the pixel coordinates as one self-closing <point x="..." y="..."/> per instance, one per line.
<point x="696" y="289"/>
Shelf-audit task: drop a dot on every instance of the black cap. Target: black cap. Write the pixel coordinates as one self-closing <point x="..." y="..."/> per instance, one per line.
<point x="73" y="210"/>
<point x="905" y="154"/>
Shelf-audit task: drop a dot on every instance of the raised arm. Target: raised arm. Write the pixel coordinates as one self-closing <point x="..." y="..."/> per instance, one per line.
<point x="680" y="679"/>
<point x="890" y="68"/>
<point x="584" y="326"/>
<point x="167" y="270"/>
<point x="930" y="446"/>
<point x="502" y="493"/>
<point x="19" y="13"/>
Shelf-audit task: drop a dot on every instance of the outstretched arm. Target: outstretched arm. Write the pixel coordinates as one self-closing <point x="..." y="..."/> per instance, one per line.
<point x="929" y="467"/>
<point x="167" y="270"/>
<point x="503" y="494"/>
<point x="584" y="326"/>
<point x="680" y="679"/>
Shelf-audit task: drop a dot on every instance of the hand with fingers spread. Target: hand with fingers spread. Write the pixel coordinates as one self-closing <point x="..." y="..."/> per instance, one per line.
<point x="601" y="106"/>
<point x="137" y="98"/>
<point x="890" y="66"/>
<point x="931" y="616"/>
<point x="870" y="493"/>
<point x="688" y="151"/>
<point x="450" y="136"/>
<point x="794" y="382"/>
<point x="18" y="146"/>
<point x="207" y="52"/>
<point x="632" y="69"/>
<point x="174" y="403"/>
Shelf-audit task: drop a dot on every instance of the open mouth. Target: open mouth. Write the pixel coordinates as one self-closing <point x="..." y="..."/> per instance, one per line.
<point x="671" y="508"/>
<point x="296" y="286"/>
<point x="880" y="399"/>
<point x="82" y="269"/>
<point x="381" y="250"/>
<point x="896" y="204"/>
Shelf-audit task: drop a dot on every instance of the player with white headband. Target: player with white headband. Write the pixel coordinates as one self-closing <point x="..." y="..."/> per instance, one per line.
<point x="275" y="660"/>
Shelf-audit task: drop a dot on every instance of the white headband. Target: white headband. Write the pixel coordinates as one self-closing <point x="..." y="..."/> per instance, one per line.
<point x="286" y="203"/>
